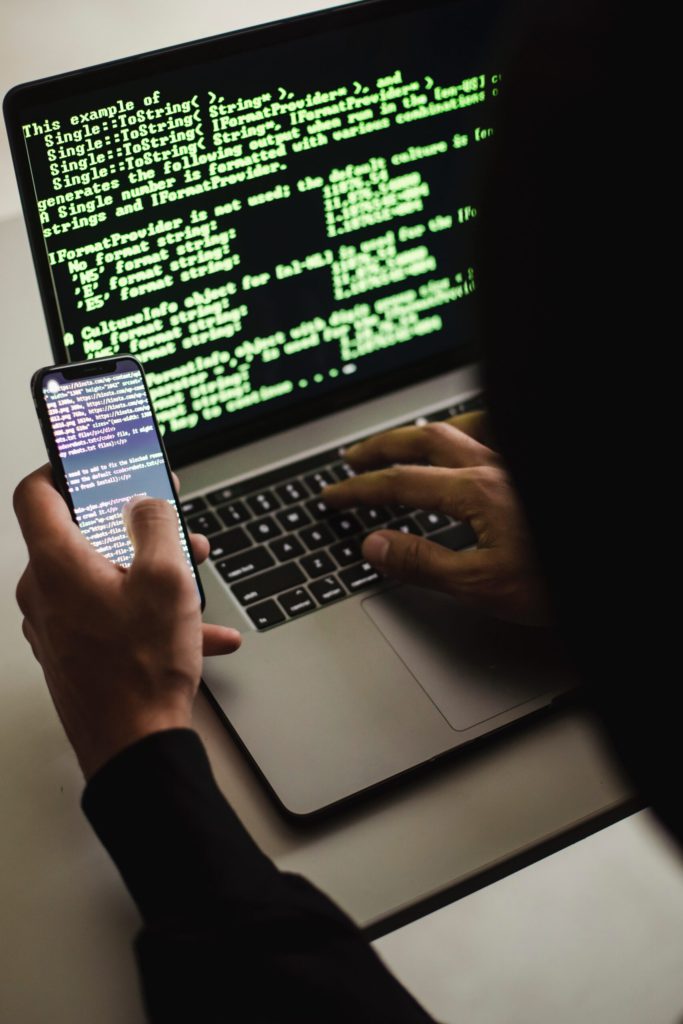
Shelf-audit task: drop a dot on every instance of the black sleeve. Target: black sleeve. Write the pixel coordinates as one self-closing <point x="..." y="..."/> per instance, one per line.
<point x="226" y="937"/>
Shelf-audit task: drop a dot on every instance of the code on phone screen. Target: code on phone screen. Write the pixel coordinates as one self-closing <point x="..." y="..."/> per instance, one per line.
<point x="108" y="445"/>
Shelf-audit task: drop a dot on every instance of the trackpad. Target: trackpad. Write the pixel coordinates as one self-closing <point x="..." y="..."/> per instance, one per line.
<point x="473" y="667"/>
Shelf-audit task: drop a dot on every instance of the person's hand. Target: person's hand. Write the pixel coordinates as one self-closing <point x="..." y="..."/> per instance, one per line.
<point x="464" y="479"/>
<point x="121" y="649"/>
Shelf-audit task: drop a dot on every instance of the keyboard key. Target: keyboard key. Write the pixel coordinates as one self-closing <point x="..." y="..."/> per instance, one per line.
<point x="347" y="552"/>
<point x="345" y="525"/>
<point x="316" y="536"/>
<point x="460" y="535"/>
<point x="342" y="471"/>
<point x="246" y="564"/>
<point x="475" y="403"/>
<point x="286" y="548"/>
<point x="293" y="518"/>
<point x="327" y="590"/>
<point x="234" y="513"/>
<point x="220" y="496"/>
<point x="229" y="543"/>
<point x="430" y="521"/>
<point x="357" y="577"/>
<point x="373" y="517"/>
<point x="318" y="509"/>
<point x="296" y="602"/>
<point x="318" y="565"/>
<point x="293" y="490"/>
<point x="406" y="525"/>
<point x="203" y="522"/>
<point x="265" y="615"/>
<point x="264" y="529"/>
<point x="316" y="481"/>
<point x="457" y="408"/>
<point x="284" y="577"/>
<point x="191" y="506"/>
<point x="262" y="503"/>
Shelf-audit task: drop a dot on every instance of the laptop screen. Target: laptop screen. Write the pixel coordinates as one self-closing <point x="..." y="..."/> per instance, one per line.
<point x="272" y="221"/>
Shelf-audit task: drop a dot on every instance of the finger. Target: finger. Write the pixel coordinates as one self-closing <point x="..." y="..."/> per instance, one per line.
<point x="43" y="515"/>
<point x="152" y="525"/>
<point x="30" y="636"/>
<point x="476" y="424"/>
<point x="413" y="559"/>
<point x="176" y="482"/>
<point x="220" y="640"/>
<point x="24" y="591"/>
<point x="200" y="547"/>
<point x="440" y="444"/>
<point x="432" y="488"/>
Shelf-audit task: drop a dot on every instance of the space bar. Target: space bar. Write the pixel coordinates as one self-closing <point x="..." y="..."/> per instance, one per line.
<point x="268" y="583"/>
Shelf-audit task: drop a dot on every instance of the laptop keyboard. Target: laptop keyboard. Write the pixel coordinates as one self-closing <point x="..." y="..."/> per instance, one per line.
<point x="282" y="552"/>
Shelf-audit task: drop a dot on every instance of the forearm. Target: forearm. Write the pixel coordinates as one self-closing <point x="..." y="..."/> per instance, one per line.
<point x="227" y="935"/>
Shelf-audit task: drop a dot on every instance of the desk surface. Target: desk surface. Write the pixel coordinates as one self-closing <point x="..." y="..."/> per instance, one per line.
<point x="65" y="913"/>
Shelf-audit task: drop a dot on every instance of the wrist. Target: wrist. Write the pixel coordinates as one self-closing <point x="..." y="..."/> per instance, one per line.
<point x="100" y="746"/>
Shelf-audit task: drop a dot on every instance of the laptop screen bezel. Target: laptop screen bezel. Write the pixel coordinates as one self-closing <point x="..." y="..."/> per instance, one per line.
<point x="22" y="101"/>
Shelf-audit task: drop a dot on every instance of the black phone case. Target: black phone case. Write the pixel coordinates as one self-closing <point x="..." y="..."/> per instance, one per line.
<point x="93" y="368"/>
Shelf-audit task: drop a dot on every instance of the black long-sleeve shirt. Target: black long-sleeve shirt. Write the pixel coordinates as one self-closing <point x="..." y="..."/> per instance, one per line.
<point x="227" y="936"/>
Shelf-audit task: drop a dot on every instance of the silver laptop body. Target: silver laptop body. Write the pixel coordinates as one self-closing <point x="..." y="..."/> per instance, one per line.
<point x="344" y="698"/>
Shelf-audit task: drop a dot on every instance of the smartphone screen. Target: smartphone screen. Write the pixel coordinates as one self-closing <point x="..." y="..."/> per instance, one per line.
<point x="108" y="446"/>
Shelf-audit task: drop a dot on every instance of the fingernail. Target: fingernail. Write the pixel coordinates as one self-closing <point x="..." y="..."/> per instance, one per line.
<point x="375" y="548"/>
<point x="130" y="505"/>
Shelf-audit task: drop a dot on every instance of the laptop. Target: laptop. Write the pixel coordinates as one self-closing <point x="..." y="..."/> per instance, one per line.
<point x="279" y="223"/>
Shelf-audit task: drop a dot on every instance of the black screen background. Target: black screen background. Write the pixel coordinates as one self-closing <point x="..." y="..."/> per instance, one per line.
<point x="449" y="42"/>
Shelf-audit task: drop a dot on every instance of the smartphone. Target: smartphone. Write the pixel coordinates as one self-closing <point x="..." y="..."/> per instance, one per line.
<point x="105" y="447"/>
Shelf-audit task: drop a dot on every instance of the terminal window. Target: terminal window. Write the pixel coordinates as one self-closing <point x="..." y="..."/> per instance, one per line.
<point x="267" y="226"/>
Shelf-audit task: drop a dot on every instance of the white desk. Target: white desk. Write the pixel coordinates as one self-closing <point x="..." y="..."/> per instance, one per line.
<point x="67" y="922"/>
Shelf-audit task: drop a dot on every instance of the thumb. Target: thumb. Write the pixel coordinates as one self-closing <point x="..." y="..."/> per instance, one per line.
<point x="412" y="559"/>
<point x="152" y="526"/>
